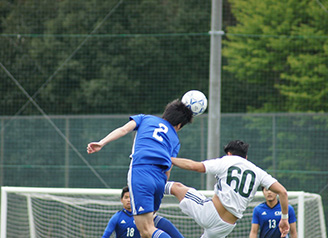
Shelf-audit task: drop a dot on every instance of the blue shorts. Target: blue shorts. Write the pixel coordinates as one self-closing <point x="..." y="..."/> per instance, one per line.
<point x="146" y="187"/>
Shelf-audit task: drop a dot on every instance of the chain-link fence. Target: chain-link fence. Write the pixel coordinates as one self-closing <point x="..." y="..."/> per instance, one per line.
<point x="71" y="71"/>
<point x="51" y="152"/>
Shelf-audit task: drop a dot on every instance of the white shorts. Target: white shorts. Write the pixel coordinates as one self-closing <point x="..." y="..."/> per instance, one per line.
<point x="202" y="210"/>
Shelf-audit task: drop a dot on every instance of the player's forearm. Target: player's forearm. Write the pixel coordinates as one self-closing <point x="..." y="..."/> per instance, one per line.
<point x="294" y="235"/>
<point x="114" y="135"/>
<point x="293" y="230"/>
<point x="118" y="133"/>
<point x="182" y="163"/>
<point x="252" y="235"/>
<point x="254" y="230"/>
<point x="188" y="164"/>
<point x="283" y="196"/>
<point x="107" y="233"/>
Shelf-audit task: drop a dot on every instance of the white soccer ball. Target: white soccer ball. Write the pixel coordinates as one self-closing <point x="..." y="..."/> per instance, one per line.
<point x="196" y="101"/>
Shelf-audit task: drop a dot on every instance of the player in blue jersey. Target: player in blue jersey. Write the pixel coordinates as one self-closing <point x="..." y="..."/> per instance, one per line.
<point x="124" y="226"/>
<point x="122" y="222"/>
<point x="266" y="217"/>
<point x="156" y="141"/>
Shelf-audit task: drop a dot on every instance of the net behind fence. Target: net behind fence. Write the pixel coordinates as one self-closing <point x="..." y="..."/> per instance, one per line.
<point x="34" y="154"/>
<point x="69" y="70"/>
<point x="44" y="212"/>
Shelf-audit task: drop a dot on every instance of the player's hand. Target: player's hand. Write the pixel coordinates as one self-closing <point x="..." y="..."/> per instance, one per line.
<point x="284" y="227"/>
<point x="93" y="147"/>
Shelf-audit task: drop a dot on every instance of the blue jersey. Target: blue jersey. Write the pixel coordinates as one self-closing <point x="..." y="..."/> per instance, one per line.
<point x="269" y="218"/>
<point x="155" y="143"/>
<point x="123" y="224"/>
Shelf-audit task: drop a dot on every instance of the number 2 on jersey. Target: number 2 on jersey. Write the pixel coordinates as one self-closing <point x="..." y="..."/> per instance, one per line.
<point x="162" y="128"/>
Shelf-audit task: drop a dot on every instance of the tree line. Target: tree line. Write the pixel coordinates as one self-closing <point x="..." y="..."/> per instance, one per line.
<point x="133" y="56"/>
<point x="95" y="57"/>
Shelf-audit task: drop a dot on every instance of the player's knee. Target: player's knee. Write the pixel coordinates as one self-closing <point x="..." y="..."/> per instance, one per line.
<point x="178" y="185"/>
<point x="179" y="190"/>
<point x="145" y="226"/>
<point x="145" y="233"/>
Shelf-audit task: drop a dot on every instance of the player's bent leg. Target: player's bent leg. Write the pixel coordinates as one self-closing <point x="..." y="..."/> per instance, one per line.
<point x="177" y="189"/>
<point x="145" y="224"/>
<point x="146" y="227"/>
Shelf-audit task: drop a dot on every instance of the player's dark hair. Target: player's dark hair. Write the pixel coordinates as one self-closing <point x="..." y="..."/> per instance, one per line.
<point x="237" y="147"/>
<point x="124" y="190"/>
<point x="177" y="113"/>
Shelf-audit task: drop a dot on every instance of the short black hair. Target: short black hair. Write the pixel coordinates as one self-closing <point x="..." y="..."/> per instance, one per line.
<point x="176" y="112"/>
<point x="237" y="147"/>
<point x="124" y="190"/>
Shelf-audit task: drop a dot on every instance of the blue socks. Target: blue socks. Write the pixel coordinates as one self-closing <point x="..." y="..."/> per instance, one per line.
<point x="160" y="234"/>
<point x="167" y="226"/>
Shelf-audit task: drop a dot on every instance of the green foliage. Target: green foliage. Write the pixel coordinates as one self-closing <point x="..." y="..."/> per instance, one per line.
<point x="281" y="49"/>
<point x="100" y="57"/>
<point x="134" y="56"/>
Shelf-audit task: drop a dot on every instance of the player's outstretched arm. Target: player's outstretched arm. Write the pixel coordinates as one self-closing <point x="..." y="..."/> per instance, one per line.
<point x="111" y="226"/>
<point x="114" y="135"/>
<point x="188" y="164"/>
<point x="283" y="197"/>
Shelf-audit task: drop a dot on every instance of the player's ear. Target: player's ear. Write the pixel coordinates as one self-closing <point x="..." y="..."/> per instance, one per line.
<point x="178" y="127"/>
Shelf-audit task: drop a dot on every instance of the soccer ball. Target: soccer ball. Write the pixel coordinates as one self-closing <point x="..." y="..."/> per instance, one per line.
<point x="196" y="101"/>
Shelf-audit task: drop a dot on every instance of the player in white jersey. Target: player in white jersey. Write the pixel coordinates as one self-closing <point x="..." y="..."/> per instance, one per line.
<point x="237" y="183"/>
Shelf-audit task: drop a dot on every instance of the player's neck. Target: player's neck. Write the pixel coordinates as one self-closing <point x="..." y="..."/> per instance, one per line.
<point x="272" y="203"/>
<point x="128" y="209"/>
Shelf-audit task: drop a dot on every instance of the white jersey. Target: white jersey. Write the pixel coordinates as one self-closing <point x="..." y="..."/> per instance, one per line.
<point x="237" y="181"/>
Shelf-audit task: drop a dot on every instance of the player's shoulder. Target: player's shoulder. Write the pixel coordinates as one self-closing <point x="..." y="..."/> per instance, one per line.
<point x="259" y="208"/>
<point x="116" y="216"/>
<point x="258" y="170"/>
<point x="231" y="158"/>
<point x="137" y="117"/>
<point x="146" y="117"/>
<point x="122" y="214"/>
<point x="152" y="120"/>
<point x="235" y="159"/>
<point x="119" y="213"/>
<point x="126" y="212"/>
<point x="290" y="207"/>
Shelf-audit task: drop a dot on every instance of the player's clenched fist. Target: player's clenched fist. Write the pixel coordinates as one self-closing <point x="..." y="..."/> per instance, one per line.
<point x="284" y="227"/>
<point x="93" y="147"/>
